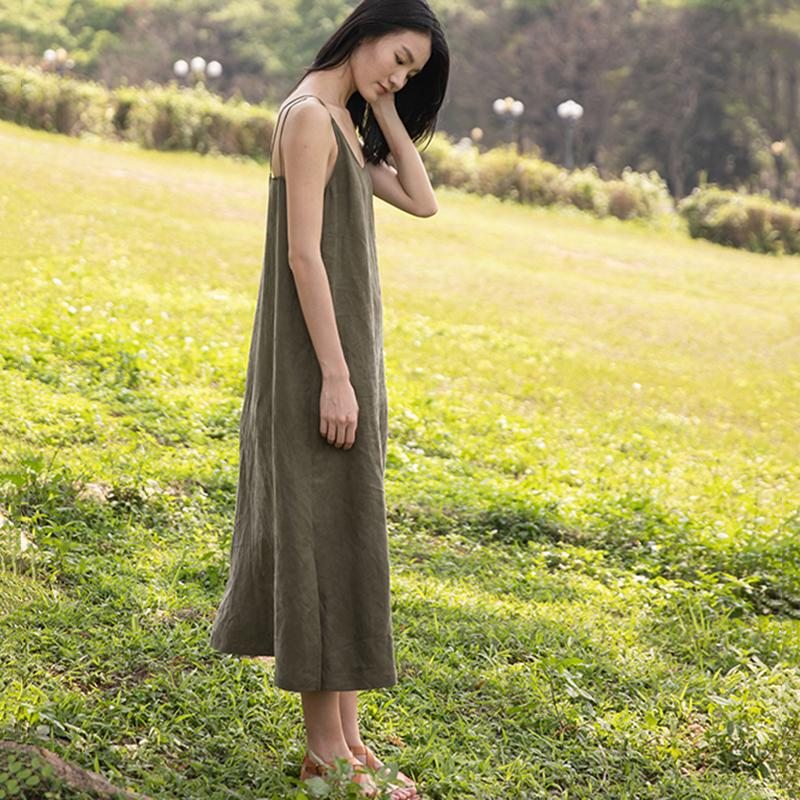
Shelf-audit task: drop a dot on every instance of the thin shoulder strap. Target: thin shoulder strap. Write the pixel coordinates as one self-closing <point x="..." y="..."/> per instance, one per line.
<point x="277" y="140"/>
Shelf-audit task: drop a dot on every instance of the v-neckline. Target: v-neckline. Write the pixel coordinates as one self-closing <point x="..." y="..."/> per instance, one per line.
<point x="346" y="142"/>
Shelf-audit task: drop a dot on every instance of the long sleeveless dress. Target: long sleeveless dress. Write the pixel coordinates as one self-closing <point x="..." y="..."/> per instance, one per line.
<point x="309" y="578"/>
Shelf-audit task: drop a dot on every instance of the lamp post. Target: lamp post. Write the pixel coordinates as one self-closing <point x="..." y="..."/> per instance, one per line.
<point x="570" y="112"/>
<point x="197" y="68"/>
<point x="777" y="149"/>
<point x="510" y="109"/>
<point x="58" y="60"/>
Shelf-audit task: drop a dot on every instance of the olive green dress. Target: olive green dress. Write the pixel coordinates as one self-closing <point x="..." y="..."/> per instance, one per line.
<point x="309" y="572"/>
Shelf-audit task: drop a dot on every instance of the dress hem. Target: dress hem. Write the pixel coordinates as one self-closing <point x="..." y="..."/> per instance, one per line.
<point x="331" y="685"/>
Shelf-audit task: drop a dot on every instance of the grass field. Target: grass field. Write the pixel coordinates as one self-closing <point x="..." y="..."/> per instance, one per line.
<point x="592" y="480"/>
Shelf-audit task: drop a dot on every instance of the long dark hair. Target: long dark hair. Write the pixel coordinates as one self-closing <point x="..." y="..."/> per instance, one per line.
<point x="419" y="101"/>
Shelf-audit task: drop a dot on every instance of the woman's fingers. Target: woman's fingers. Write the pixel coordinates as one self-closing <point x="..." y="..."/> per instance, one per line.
<point x="339" y="432"/>
<point x="347" y="435"/>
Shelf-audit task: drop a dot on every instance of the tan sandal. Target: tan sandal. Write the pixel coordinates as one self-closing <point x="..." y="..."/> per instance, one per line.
<point x="366" y="757"/>
<point x="313" y="765"/>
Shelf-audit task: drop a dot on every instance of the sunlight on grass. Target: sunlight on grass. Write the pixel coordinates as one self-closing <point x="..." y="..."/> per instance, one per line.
<point x="592" y="487"/>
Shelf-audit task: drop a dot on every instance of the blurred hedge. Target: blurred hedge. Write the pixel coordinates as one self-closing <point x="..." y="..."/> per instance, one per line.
<point x="504" y="173"/>
<point x="154" y="116"/>
<point x="176" y="118"/>
<point x="753" y="222"/>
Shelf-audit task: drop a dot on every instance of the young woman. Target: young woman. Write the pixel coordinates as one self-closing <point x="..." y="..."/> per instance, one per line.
<point x="309" y="576"/>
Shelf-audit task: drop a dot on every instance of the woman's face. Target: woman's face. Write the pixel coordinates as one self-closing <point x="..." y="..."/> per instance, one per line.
<point x="389" y="62"/>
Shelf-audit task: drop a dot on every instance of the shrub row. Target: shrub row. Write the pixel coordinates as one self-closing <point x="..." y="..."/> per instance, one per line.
<point x="504" y="173"/>
<point x="154" y="116"/>
<point x="753" y="222"/>
<point x="175" y="118"/>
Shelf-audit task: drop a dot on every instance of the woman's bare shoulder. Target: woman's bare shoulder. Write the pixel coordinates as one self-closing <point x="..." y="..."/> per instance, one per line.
<point x="302" y="98"/>
<point x="307" y="141"/>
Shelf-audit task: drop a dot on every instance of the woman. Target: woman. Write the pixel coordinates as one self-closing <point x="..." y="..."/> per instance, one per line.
<point x="309" y="577"/>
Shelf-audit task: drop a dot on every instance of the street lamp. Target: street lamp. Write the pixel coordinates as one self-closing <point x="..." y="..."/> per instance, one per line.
<point x="197" y="67"/>
<point x="180" y="68"/>
<point x="509" y="109"/>
<point x="58" y="60"/>
<point x="777" y="149"/>
<point x="570" y="112"/>
<point x="476" y="134"/>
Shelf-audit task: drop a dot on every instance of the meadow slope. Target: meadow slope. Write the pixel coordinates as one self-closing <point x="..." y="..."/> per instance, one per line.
<point x="592" y="480"/>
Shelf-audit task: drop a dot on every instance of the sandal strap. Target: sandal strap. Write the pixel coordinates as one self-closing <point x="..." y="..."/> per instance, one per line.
<point x="360" y="750"/>
<point x="314" y="765"/>
<point x="371" y="761"/>
<point x="317" y="765"/>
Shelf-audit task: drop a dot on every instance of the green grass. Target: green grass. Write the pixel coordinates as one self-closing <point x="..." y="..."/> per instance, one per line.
<point x="592" y="484"/>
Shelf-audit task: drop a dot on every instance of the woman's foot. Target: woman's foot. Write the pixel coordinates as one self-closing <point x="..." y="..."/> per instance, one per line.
<point x="405" y="790"/>
<point x="320" y="764"/>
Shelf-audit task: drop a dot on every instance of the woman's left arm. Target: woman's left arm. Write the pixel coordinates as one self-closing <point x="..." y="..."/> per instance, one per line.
<point x="408" y="186"/>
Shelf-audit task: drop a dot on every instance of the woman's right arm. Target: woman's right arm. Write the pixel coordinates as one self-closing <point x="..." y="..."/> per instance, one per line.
<point x="307" y="141"/>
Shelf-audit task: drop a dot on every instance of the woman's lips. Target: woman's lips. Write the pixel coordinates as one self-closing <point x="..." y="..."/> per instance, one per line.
<point x="381" y="87"/>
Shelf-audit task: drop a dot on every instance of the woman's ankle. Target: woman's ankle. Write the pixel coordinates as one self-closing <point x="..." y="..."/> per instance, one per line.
<point x="328" y="749"/>
<point x="357" y="742"/>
